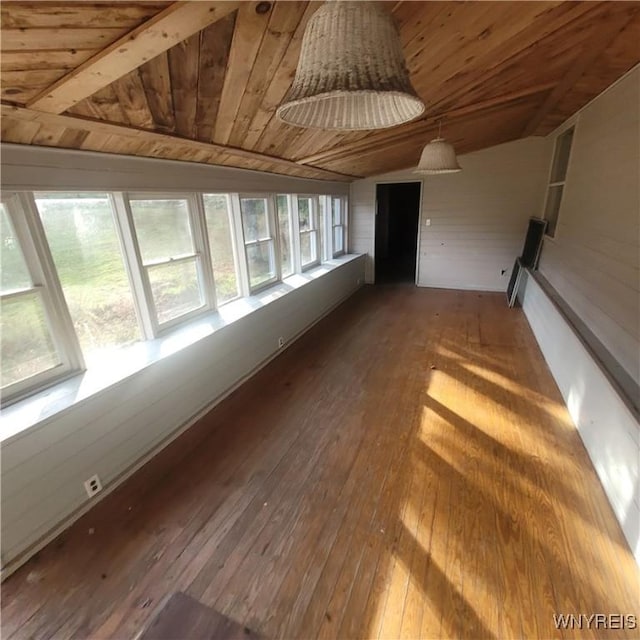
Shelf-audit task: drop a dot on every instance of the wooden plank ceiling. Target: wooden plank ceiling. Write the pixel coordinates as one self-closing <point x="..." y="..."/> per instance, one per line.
<point x="200" y="81"/>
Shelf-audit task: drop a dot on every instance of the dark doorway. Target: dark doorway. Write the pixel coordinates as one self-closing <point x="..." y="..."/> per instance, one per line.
<point x="398" y="210"/>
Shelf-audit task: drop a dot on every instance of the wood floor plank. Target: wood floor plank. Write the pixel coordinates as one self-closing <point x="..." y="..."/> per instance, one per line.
<point x="413" y="474"/>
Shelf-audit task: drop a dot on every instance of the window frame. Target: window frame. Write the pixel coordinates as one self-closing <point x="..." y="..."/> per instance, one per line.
<point x="27" y="226"/>
<point x="111" y="196"/>
<point x="273" y="239"/>
<point x="139" y="270"/>
<point x="29" y="230"/>
<point x="294" y="259"/>
<point x="315" y="229"/>
<point x="343" y="225"/>
<point x="553" y="185"/>
<point x="234" y="246"/>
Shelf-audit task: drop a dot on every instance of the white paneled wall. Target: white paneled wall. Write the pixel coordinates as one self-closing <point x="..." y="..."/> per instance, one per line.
<point x="610" y="432"/>
<point x="362" y="204"/>
<point x="478" y="218"/>
<point x="594" y="260"/>
<point x="26" y="168"/>
<point x="43" y="468"/>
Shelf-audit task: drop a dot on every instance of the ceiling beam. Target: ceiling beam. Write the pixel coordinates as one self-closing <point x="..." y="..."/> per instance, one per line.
<point x="420" y="127"/>
<point x="594" y="49"/>
<point x="107" y="128"/>
<point x="169" y="27"/>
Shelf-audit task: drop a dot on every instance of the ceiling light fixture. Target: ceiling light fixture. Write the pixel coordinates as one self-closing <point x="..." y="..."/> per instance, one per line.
<point x="351" y="74"/>
<point x="438" y="156"/>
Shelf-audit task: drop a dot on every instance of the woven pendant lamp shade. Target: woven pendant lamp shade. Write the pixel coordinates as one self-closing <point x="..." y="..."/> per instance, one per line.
<point x="438" y="157"/>
<point x="351" y="74"/>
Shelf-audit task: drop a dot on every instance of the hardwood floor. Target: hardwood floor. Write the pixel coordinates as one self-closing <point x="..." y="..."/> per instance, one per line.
<point x="405" y="470"/>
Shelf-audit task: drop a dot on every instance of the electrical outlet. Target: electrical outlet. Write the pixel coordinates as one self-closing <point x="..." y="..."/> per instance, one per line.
<point x="93" y="486"/>
<point x="359" y="281"/>
<point x="280" y="342"/>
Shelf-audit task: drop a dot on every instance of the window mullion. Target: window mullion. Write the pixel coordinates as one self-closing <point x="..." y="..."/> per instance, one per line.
<point x="315" y="224"/>
<point x="45" y="278"/>
<point x="138" y="278"/>
<point x="295" y="228"/>
<point x="345" y="224"/>
<point x="238" y="233"/>
<point x="327" y="221"/>
<point x="341" y="227"/>
<point x="201" y="243"/>
<point x="274" y="236"/>
<point x="237" y="257"/>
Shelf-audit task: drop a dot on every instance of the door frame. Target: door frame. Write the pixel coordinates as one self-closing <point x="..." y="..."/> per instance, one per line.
<point x="375" y="223"/>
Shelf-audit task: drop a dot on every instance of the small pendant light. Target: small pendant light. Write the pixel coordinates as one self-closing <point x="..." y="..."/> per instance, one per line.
<point x="351" y="74"/>
<point x="438" y="157"/>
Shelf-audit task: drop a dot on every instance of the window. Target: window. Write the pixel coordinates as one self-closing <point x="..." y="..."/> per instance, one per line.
<point x="323" y="228"/>
<point x="164" y="232"/>
<point x="83" y="239"/>
<point x="308" y="230"/>
<point x="283" y="204"/>
<point x="86" y="272"/>
<point x="559" y="168"/>
<point x="257" y="225"/>
<point x="34" y="347"/>
<point x="337" y="225"/>
<point x="217" y="209"/>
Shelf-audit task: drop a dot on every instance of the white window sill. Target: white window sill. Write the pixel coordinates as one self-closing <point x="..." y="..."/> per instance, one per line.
<point x="119" y="364"/>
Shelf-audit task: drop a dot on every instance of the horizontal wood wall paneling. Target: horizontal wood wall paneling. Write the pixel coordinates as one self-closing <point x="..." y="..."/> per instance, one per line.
<point x="599" y="211"/>
<point x="596" y="299"/>
<point x="478" y="217"/>
<point x="618" y="297"/>
<point x="27" y="168"/>
<point x="362" y="203"/>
